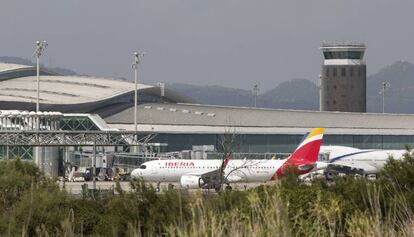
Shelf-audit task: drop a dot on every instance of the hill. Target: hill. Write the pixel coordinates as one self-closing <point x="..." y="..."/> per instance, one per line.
<point x="304" y="94"/>
<point x="215" y="95"/>
<point x="293" y="94"/>
<point x="400" y="96"/>
<point x="24" y="61"/>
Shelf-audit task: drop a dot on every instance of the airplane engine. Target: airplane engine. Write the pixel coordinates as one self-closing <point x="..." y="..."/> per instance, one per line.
<point x="330" y="175"/>
<point x="191" y="181"/>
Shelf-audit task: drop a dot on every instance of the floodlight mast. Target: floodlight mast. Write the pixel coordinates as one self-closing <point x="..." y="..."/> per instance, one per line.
<point x="385" y="86"/>
<point x="40" y="47"/>
<point x="255" y="92"/>
<point x="137" y="60"/>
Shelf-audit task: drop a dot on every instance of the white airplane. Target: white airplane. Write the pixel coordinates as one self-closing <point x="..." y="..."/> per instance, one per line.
<point x="214" y="173"/>
<point x="342" y="159"/>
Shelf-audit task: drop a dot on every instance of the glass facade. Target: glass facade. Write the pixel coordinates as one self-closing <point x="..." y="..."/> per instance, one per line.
<point x="14" y="152"/>
<point x="75" y="123"/>
<point x="250" y="143"/>
<point x="343" y="55"/>
<point x="262" y="143"/>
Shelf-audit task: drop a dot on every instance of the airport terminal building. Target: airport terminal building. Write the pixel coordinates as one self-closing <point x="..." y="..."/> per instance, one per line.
<point x="89" y="103"/>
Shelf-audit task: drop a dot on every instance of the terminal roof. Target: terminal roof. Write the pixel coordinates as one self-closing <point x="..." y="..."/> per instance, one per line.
<point x="64" y="89"/>
<point x="204" y="118"/>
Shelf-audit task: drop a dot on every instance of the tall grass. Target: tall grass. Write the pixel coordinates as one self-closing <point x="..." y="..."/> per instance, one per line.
<point x="261" y="215"/>
<point x="269" y="215"/>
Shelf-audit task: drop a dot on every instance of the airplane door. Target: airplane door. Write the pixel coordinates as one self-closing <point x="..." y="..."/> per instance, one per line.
<point x="324" y="157"/>
<point x="154" y="170"/>
<point x="159" y="172"/>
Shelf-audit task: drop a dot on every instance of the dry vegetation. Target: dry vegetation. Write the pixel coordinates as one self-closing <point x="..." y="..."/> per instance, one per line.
<point x="31" y="205"/>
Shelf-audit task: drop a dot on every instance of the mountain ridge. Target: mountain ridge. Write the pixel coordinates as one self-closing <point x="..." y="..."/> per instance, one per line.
<point x="297" y="93"/>
<point x="25" y="61"/>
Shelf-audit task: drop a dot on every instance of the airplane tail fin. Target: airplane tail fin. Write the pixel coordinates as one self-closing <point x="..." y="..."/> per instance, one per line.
<point x="304" y="137"/>
<point x="304" y="158"/>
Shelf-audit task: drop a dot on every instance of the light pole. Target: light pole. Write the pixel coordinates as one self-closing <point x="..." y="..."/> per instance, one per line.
<point x="137" y="59"/>
<point x="385" y="86"/>
<point x="40" y="47"/>
<point x="256" y="92"/>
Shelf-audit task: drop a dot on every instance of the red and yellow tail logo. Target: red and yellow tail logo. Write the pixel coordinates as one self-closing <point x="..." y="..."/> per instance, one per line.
<point x="306" y="154"/>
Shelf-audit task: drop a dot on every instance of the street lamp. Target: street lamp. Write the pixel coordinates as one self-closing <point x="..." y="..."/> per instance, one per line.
<point x="137" y="60"/>
<point x="40" y="47"/>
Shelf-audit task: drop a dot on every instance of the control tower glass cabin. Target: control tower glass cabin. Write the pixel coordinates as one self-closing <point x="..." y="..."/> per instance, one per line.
<point x="343" y="78"/>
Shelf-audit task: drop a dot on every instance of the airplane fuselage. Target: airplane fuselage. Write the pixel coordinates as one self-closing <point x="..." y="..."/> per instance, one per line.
<point x="235" y="171"/>
<point x="214" y="173"/>
<point x="371" y="161"/>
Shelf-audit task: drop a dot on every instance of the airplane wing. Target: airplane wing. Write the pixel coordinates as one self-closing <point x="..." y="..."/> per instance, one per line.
<point x="215" y="177"/>
<point x="212" y="177"/>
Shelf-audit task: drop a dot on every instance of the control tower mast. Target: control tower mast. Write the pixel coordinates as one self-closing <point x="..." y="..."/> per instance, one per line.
<point x="343" y="78"/>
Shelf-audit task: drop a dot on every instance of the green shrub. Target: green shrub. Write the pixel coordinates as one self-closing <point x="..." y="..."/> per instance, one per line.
<point x="34" y="206"/>
<point x="400" y="171"/>
<point x="40" y="209"/>
<point x="16" y="177"/>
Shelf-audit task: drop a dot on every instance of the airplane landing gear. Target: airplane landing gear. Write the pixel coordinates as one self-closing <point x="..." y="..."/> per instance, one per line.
<point x="170" y="186"/>
<point x="228" y="188"/>
<point x="217" y="188"/>
<point x="157" y="189"/>
<point x="330" y="176"/>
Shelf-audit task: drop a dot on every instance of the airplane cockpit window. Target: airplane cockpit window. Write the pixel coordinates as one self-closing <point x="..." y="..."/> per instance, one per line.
<point x="324" y="157"/>
<point x="143" y="167"/>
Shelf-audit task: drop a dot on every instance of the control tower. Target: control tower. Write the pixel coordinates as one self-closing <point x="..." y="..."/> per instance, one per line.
<point x="343" y="78"/>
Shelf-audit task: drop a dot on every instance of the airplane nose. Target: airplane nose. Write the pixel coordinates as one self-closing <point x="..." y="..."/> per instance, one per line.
<point x="136" y="174"/>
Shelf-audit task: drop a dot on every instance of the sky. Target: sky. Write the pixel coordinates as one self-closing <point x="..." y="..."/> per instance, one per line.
<point x="205" y="42"/>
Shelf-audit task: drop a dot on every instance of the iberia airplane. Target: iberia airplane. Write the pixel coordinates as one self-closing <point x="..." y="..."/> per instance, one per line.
<point x="214" y="173"/>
